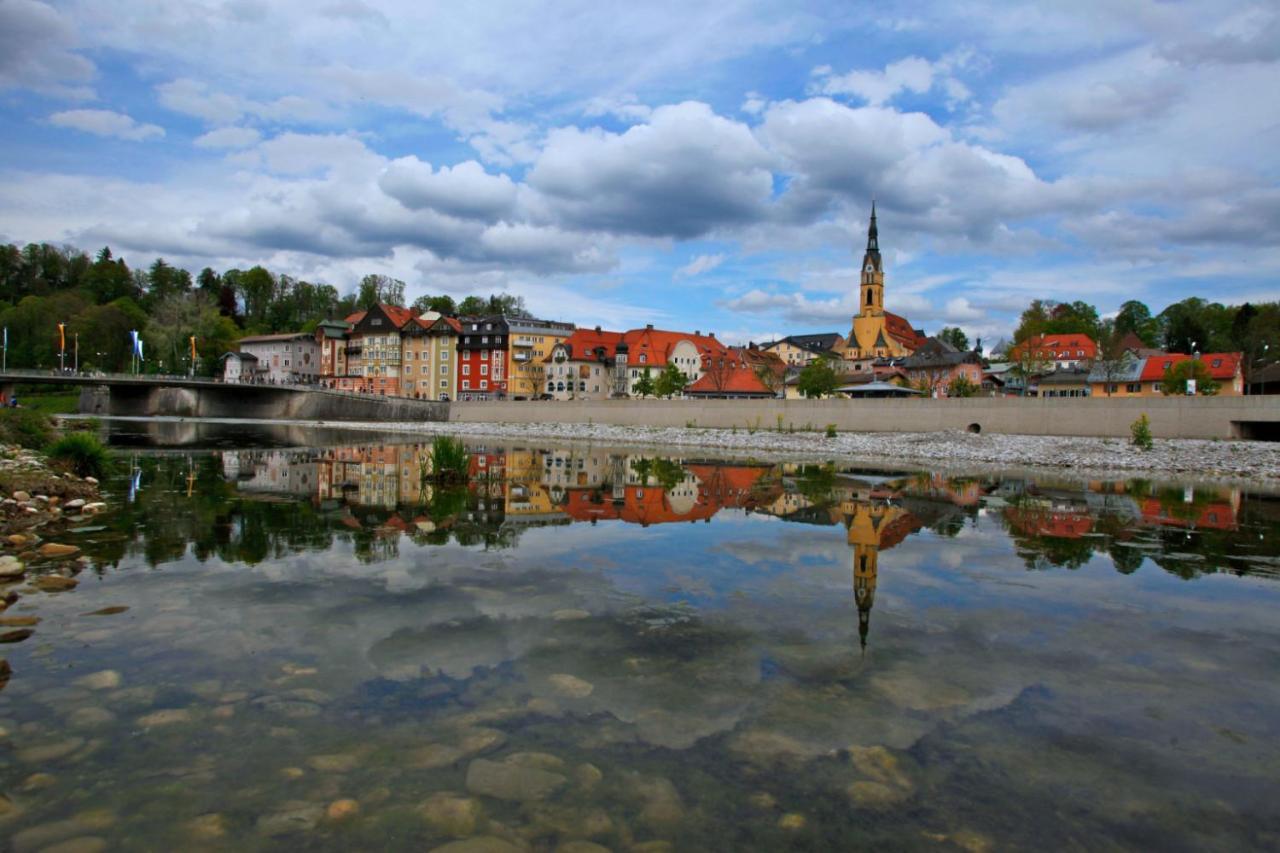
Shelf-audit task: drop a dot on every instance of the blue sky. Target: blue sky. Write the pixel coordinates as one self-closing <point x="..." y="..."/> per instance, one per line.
<point x="696" y="167"/>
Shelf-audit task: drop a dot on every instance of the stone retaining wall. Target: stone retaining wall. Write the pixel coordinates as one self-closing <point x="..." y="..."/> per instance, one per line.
<point x="1176" y="417"/>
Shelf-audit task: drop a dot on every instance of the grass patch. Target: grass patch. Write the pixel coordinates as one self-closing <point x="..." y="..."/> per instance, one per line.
<point x="447" y="461"/>
<point x="66" y="403"/>
<point x="25" y="427"/>
<point x="81" y="453"/>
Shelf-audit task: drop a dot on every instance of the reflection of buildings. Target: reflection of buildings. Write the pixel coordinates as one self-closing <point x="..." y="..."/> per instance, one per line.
<point x="873" y="527"/>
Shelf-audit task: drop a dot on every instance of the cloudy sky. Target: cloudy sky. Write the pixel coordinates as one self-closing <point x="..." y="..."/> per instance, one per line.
<point x="704" y="166"/>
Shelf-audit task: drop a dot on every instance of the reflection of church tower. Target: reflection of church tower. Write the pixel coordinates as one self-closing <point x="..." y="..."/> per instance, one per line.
<point x="873" y="527"/>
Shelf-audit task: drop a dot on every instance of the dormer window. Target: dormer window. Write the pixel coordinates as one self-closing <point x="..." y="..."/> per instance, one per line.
<point x="1217" y="362"/>
<point x="643" y="358"/>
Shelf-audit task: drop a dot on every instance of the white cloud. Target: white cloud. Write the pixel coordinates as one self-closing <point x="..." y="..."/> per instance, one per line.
<point x="464" y="190"/>
<point x="699" y="265"/>
<point x="683" y="174"/>
<point x="910" y="74"/>
<point x="228" y="137"/>
<point x="37" y="51"/>
<point x="106" y="123"/>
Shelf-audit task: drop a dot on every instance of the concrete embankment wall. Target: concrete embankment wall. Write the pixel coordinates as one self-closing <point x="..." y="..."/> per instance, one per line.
<point x="1177" y="417"/>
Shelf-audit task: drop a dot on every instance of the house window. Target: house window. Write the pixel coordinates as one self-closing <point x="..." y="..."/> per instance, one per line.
<point x="1133" y="387"/>
<point x="444" y="383"/>
<point x="466" y="385"/>
<point x="444" y="355"/>
<point x="444" y="370"/>
<point x="484" y="385"/>
<point x="466" y="370"/>
<point x="484" y="370"/>
<point x="1217" y="362"/>
<point x="643" y="358"/>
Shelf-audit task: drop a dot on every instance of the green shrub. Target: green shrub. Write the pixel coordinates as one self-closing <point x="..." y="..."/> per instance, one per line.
<point x="1141" y="432"/>
<point x="81" y="453"/>
<point x="26" y="427"/>
<point x="449" y="462"/>
<point x="831" y="430"/>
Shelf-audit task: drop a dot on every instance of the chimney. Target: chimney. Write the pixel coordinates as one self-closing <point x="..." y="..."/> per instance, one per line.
<point x="648" y="326"/>
<point x="697" y="332"/>
<point x="597" y="330"/>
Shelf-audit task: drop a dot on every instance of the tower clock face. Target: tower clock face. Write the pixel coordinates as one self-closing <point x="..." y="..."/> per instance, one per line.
<point x="870" y="268"/>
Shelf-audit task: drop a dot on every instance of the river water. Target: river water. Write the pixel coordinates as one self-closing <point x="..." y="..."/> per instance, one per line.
<point x="284" y="648"/>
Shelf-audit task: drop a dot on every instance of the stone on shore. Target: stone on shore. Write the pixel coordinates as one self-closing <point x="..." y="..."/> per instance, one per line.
<point x="451" y="814"/>
<point x="483" y="844"/>
<point x="57" y="551"/>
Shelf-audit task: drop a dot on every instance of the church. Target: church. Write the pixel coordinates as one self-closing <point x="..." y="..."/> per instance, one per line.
<point x="878" y="333"/>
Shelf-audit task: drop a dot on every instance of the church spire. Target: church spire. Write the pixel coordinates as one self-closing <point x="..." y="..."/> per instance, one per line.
<point x="873" y="235"/>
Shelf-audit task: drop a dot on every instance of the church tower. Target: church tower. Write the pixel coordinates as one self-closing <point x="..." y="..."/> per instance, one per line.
<point x="871" y="297"/>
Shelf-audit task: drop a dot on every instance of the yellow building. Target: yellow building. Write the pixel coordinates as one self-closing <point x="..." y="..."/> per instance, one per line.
<point x="799" y="350"/>
<point x="529" y="343"/>
<point x="878" y="333"/>
<point x="430" y="359"/>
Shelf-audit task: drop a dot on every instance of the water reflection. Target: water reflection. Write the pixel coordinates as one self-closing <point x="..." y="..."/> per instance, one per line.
<point x="648" y="653"/>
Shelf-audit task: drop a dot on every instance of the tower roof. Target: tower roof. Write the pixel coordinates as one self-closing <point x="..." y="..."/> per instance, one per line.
<point x="873" y="242"/>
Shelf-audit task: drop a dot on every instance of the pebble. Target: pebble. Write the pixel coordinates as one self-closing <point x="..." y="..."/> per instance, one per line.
<point x="83" y="844"/>
<point x="55" y="583"/>
<point x="50" y="751"/>
<point x="167" y="717"/>
<point x="88" y="717"/>
<point x="338" y="763"/>
<point x="74" y="504"/>
<point x="15" y="636"/>
<point x="570" y="615"/>
<point x="791" y="821"/>
<point x="340" y="810"/>
<point x="56" y="550"/>
<point x="38" y="781"/>
<point x="581" y="847"/>
<point x="19" y="621"/>
<point x="11" y="567"/>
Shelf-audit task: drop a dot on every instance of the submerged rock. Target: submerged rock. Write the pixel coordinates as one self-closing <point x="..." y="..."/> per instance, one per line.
<point x="505" y="781"/>
<point x="294" y="817"/>
<point x="340" y="810"/>
<point x="41" y="753"/>
<point x="207" y="827"/>
<point x="571" y="685"/>
<point x="167" y="717"/>
<point x="82" y="844"/>
<point x="452" y="814"/>
<point x="336" y="763"/>
<point x="15" y="636"/>
<point x="55" y="583"/>
<point x="484" y="844"/>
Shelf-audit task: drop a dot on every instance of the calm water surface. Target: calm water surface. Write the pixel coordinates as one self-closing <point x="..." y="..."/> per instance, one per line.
<point x="646" y="653"/>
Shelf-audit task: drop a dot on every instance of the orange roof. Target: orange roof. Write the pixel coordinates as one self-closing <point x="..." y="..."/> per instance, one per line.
<point x="727" y="485"/>
<point x="656" y="345"/>
<point x="352" y="319"/>
<point x="1058" y="346"/>
<point x="1221" y="365"/>
<point x="451" y="322"/>
<point x="899" y="529"/>
<point x="735" y="378"/>
<point x="583" y="342"/>
<point x="398" y="316"/>
<point x="899" y="328"/>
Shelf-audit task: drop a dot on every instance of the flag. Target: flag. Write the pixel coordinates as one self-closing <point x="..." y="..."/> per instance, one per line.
<point x="193" y="347"/>
<point x="62" y="335"/>
<point x="6" y="337"/>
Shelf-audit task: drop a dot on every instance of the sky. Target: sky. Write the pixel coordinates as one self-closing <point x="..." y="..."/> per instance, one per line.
<point x="705" y="167"/>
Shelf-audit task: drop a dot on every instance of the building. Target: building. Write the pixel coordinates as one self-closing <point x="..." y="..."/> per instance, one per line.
<point x="799" y="350"/>
<point x="937" y="365"/>
<point x="292" y="358"/>
<point x="1223" y="367"/>
<point x="1064" y="382"/>
<point x="331" y="338"/>
<point x="430" y="358"/>
<point x="1121" y="379"/>
<point x="1055" y="351"/>
<point x="482" y="358"/>
<point x="530" y="342"/>
<point x="581" y="367"/>
<point x="651" y="350"/>
<point x="732" y="376"/>
<point x="373" y="350"/>
<point x="878" y="333"/>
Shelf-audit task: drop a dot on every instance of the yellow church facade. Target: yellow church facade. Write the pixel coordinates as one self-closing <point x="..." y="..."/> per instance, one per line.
<point x="878" y="333"/>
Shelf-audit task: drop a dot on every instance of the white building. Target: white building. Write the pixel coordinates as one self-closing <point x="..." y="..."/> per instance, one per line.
<point x="290" y="358"/>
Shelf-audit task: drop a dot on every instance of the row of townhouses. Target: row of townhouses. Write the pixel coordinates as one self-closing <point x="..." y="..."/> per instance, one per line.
<point x="395" y="351"/>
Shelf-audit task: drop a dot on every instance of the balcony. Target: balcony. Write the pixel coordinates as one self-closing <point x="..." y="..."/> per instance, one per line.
<point x="521" y="356"/>
<point x="356" y="350"/>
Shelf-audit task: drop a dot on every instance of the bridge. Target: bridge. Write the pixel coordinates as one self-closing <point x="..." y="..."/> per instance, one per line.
<point x="127" y="394"/>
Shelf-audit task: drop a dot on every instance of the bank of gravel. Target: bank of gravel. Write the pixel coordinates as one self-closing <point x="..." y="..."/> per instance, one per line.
<point x="1237" y="460"/>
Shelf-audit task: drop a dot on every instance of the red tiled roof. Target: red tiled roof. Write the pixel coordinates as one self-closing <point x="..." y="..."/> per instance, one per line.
<point x="352" y="319"/>
<point x="643" y="505"/>
<point x="1221" y="365"/>
<point x="899" y="328"/>
<point x="397" y="315"/>
<point x="583" y="343"/>
<point x="1057" y="346"/>
<point x="1220" y="515"/>
<point x="732" y="379"/>
<point x="1044" y="522"/>
<point x="656" y="345"/>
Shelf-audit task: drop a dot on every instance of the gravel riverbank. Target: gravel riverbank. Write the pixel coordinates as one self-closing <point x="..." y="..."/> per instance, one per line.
<point x="1242" y="460"/>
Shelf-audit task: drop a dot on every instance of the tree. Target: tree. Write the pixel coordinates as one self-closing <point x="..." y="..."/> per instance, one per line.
<point x="1113" y="360"/>
<point x="108" y="279"/>
<point x="257" y="289"/>
<point x="1033" y="320"/>
<point x="440" y="304"/>
<point x="644" y="386"/>
<point x="961" y="386"/>
<point x="817" y="379"/>
<point x="954" y="336"/>
<point x="670" y="382"/>
<point x="472" y="305"/>
<point x="1135" y="317"/>
<point x="1175" y="378"/>
<point x="1077" y="317"/>
<point x="376" y="289"/>
<point x="506" y="303"/>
